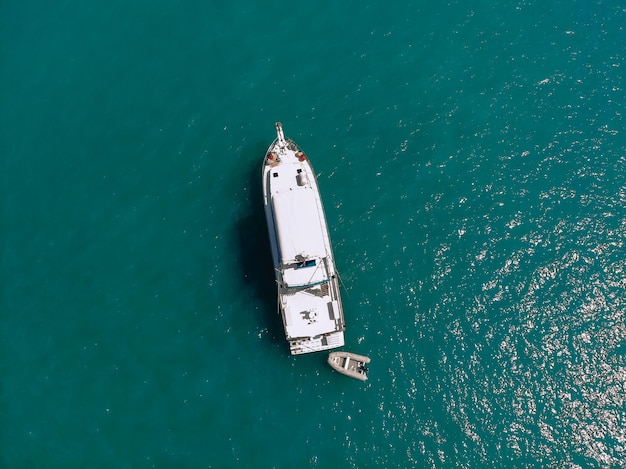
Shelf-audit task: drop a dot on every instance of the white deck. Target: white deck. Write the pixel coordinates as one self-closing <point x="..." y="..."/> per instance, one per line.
<point x="307" y="315"/>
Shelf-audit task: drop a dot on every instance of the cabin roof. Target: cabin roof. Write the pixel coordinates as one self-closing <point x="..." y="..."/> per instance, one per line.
<point x="298" y="226"/>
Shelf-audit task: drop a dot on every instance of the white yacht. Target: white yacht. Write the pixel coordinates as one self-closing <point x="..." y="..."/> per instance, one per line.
<point x="308" y="287"/>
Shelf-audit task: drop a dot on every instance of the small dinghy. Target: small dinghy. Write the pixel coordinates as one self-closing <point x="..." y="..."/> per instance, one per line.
<point x="349" y="364"/>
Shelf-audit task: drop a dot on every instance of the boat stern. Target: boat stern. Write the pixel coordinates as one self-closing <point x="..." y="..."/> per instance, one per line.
<point x="316" y="344"/>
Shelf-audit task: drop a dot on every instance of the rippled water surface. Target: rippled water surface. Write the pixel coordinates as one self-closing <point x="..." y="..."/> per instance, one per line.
<point x="472" y="162"/>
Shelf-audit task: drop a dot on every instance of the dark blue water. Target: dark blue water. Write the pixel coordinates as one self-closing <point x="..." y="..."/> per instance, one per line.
<point x="472" y="162"/>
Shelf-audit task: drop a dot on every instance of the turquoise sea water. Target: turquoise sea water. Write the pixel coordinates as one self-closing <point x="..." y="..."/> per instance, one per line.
<point x="472" y="162"/>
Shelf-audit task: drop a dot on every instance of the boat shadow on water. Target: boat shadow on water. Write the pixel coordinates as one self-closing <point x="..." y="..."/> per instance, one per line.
<point x="254" y="249"/>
